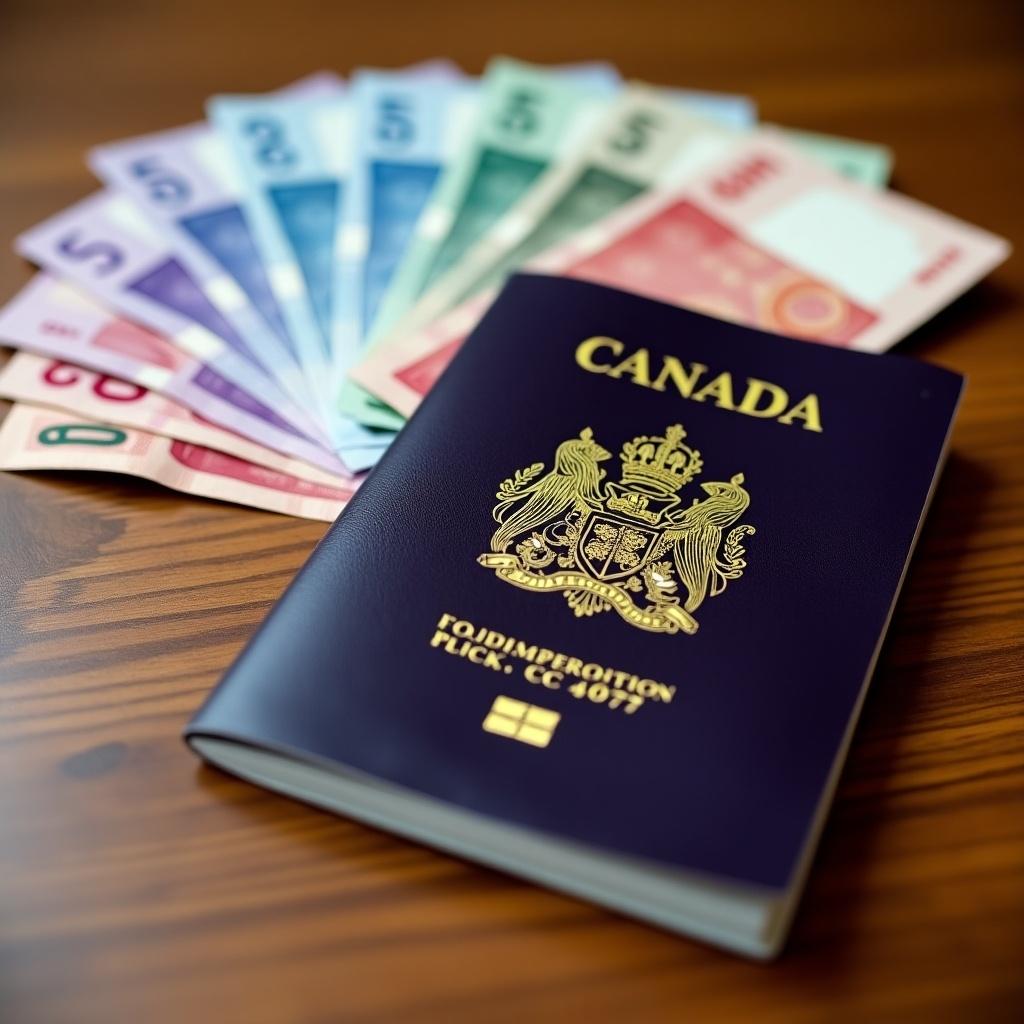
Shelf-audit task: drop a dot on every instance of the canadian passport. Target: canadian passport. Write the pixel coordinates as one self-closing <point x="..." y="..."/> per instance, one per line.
<point x="605" y="613"/>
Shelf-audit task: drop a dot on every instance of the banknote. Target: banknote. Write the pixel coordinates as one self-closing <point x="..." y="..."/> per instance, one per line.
<point x="643" y="136"/>
<point x="103" y="244"/>
<point x="768" y="237"/>
<point x="866" y="162"/>
<point x="595" y="75"/>
<point x="725" y="109"/>
<point x="295" y="156"/>
<point x="407" y="126"/>
<point x="38" y="380"/>
<point x="437" y="127"/>
<point x="184" y="179"/>
<point x="32" y="437"/>
<point x="528" y="118"/>
<point x="648" y="135"/>
<point x="292" y="192"/>
<point x="289" y="179"/>
<point x="55" y="319"/>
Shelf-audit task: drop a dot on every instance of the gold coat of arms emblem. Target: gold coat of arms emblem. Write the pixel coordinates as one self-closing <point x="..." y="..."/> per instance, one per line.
<point x="634" y="546"/>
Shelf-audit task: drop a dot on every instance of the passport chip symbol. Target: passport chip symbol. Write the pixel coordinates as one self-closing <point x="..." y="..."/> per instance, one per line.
<point x="521" y="721"/>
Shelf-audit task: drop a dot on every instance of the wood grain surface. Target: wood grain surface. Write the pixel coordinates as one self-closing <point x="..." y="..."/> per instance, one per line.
<point x="136" y="885"/>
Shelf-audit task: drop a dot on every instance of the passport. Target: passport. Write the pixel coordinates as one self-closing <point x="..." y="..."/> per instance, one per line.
<point x="605" y="613"/>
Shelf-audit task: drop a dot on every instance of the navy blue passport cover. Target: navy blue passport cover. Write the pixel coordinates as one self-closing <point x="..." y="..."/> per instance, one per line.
<point x="718" y="748"/>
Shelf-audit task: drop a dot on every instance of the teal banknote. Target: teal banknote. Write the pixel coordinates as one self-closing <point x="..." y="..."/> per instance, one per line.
<point x="641" y="137"/>
<point x="529" y="118"/>
<point x="866" y="162"/>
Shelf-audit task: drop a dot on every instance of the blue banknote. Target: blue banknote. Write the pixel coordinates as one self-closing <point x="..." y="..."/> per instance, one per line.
<point x="307" y="211"/>
<point x="291" y="198"/>
<point x="405" y="126"/>
<point x="293" y="155"/>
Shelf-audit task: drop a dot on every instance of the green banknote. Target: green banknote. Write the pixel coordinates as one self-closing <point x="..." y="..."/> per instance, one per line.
<point x="866" y="162"/>
<point x="643" y="136"/>
<point x="529" y="118"/>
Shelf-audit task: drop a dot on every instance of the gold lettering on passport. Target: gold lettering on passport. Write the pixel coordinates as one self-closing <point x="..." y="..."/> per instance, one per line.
<point x="694" y="381"/>
<point x="546" y="669"/>
<point x="631" y="547"/>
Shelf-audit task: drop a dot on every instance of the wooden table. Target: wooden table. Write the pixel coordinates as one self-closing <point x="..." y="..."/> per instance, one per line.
<point x="135" y="885"/>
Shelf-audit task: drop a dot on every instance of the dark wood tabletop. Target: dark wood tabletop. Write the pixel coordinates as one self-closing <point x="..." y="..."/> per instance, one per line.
<point x="136" y="885"/>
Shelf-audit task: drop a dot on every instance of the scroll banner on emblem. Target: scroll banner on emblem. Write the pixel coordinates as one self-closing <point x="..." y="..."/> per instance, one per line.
<point x="665" y="619"/>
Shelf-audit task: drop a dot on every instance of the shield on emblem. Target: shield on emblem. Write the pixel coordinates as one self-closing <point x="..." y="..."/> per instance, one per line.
<point x="610" y="548"/>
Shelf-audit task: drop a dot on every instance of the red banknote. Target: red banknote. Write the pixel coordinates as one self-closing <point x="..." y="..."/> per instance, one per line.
<point x="765" y="237"/>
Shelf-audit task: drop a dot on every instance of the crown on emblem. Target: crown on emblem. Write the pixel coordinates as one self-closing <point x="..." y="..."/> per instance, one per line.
<point x="661" y="465"/>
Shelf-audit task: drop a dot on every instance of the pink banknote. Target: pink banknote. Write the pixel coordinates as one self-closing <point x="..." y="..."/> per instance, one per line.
<point x="766" y="237"/>
<point x="39" y="380"/>
<point x="32" y="437"/>
<point x="55" y="319"/>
